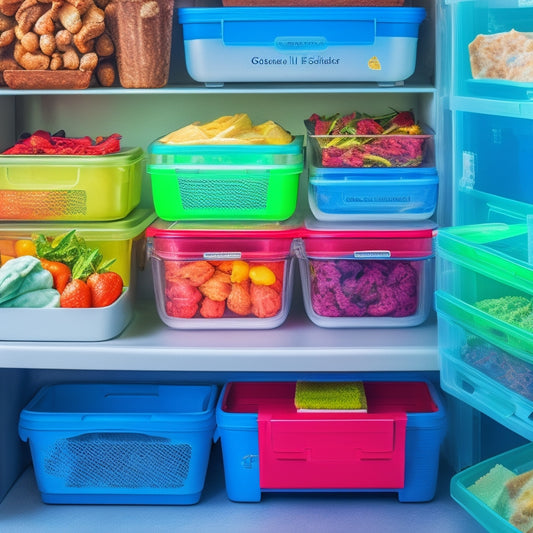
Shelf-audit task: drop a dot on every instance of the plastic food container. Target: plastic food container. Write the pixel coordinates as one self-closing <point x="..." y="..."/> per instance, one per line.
<point x="484" y="272"/>
<point x="70" y="188"/>
<point x="120" y="443"/>
<point x="123" y="240"/>
<point x="341" y="194"/>
<point x="215" y="182"/>
<point x="268" y="445"/>
<point x="499" y="469"/>
<point x="269" y="44"/>
<point x="369" y="275"/>
<point x="493" y="377"/>
<point x="388" y="151"/>
<point x="220" y="277"/>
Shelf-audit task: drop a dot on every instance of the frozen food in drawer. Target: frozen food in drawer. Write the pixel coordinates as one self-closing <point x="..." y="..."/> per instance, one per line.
<point x="485" y="270"/>
<point x="222" y="277"/>
<point x="70" y="187"/>
<point x="367" y="275"/>
<point x="497" y="491"/>
<point x="269" y="44"/>
<point x="487" y="372"/>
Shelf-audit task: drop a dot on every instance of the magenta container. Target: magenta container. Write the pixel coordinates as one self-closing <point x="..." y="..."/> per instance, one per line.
<point x="369" y="275"/>
<point x="195" y="279"/>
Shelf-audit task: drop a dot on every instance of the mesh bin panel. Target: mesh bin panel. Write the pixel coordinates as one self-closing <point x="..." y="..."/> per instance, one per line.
<point x="39" y="205"/>
<point x="119" y="460"/>
<point x="241" y="194"/>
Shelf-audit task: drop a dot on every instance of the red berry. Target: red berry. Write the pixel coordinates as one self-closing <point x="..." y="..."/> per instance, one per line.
<point x="105" y="288"/>
<point x="76" y="294"/>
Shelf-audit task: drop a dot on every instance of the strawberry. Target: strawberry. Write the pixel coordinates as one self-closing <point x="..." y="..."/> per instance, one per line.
<point x="76" y="294"/>
<point x="105" y="288"/>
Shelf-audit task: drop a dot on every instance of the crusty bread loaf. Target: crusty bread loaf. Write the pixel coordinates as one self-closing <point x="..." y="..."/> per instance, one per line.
<point x="505" y="56"/>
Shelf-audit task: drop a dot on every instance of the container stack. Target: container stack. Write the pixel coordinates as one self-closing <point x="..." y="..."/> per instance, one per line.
<point x="225" y="192"/>
<point x="70" y="208"/>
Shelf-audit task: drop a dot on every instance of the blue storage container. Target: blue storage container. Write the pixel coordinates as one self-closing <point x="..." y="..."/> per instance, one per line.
<point x="372" y="194"/>
<point x="488" y="503"/>
<point x="120" y="443"/>
<point x="241" y="44"/>
<point x="257" y="422"/>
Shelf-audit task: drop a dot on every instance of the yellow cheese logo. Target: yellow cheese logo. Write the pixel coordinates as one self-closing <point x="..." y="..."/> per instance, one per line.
<point x="374" y="64"/>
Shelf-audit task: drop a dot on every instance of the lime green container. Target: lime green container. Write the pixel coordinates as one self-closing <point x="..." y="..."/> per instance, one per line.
<point x="71" y="187"/>
<point x="230" y="182"/>
<point x="122" y="240"/>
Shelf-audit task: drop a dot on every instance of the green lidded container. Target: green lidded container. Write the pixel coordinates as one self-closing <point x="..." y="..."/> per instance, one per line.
<point x="225" y="182"/>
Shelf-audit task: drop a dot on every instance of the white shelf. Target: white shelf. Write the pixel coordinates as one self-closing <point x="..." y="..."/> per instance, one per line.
<point x="296" y="346"/>
<point x="23" y="512"/>
<point x="240" y="88"/>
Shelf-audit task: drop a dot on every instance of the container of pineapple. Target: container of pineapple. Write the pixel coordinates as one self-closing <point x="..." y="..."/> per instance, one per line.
<point x="226" y="169"/>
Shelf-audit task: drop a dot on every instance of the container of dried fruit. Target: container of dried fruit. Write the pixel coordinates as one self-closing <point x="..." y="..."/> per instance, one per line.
<point x="215" y="276"/>
<point x="367" y="274"/>
<point x="45" y="187"/>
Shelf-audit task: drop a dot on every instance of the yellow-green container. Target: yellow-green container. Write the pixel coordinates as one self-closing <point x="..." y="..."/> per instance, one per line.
<point x="70" y="188"/>
<point x="122" y="240"/>
<point x="225" y="182"/>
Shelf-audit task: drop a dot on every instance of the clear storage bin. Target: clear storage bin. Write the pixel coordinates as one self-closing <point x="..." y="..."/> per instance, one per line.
<point x="367" y="276"/>
<point x="222" y="277"/>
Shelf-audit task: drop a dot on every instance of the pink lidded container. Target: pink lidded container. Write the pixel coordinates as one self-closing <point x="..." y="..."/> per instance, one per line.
<point x="368" y="275"/>
<point x="210" y="275"/>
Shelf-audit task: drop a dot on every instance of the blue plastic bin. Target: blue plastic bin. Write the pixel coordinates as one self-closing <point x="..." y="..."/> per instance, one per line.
<point x="242" y="407"/>
<point x="120" y="443"/>
<point x="373" y="194"/>
<point x="242" y="44"/>
<point x="518" y="461"/>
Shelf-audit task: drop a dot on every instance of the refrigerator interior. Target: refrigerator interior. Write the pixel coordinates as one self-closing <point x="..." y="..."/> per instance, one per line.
<point x="150" y="352"/>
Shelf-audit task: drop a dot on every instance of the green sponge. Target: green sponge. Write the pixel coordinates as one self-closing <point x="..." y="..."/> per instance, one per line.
<point x="330" y="396"/>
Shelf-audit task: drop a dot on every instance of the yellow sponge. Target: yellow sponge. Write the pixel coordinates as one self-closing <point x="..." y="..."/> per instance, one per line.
<point x="330" y="396"/>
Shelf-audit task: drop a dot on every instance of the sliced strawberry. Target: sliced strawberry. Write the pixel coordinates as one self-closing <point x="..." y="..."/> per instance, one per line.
<point x="105" y="288"/>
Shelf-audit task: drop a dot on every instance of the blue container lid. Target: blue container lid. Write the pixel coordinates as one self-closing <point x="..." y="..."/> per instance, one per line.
<point x="285" y="26"/>
<point x="373" y="173"/>
<point x="119" y="407"/>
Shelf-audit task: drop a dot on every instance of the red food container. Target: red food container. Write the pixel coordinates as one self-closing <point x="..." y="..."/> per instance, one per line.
<point x="209" y="276"/>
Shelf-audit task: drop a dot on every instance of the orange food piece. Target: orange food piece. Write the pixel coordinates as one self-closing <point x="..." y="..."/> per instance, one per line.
<point x="239" y="300"/>
<point x="197" y="272"/>
<point x="223" y="266"/>
<point x="25" y="247"/>
<point x="60" y="273"/>
<point x="266" y="302"/>
<point x="212" y="308"/>
<point x="217" y="287"/>
<point x="5" y="258"/>
<point x="7" y="247"/>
